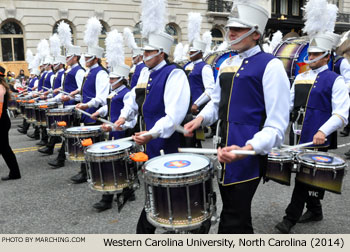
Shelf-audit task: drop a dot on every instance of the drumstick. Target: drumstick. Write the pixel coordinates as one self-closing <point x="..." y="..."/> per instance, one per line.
<point x="299" y="146"/>
<point x="180" y="129"/>
<point x="214" y="151"/>
<point x="154" y="135"/>
<point x="100" y="119"/>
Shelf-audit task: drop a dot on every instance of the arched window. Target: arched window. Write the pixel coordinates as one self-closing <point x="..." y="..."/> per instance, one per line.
<point x="137" y="34"/>
<point x="102" y="37"/>
<point x="173" y="30"/>
<point x="72" y="28"/>
<point x="217" y="35"/>
<point x="11" y="40"/>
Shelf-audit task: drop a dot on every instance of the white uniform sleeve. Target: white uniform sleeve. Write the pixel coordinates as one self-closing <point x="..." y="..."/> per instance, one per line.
<point x="103" y="110"/>
<point x="130" y="109"/>
<point x="209" y="85"/>
<point x="102" y="90"/>
<point x="210" y="112"/>
<point x="340" y="107"/>
<point x="345" y="72"/>
<point x="277" y="103"/>
<point x="292" y="96"/>
<point x="176" y="101"/>
<point x="51" y="81"/>
<point x="79" y="77"/>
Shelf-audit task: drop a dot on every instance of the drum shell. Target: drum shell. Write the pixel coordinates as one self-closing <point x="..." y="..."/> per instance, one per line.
<point x="182" y="201"/>
<point x="215" y="60"/>
<point x="325" y="177"/>
<point x="29" y="112"/>
<point x="279" y="170"/>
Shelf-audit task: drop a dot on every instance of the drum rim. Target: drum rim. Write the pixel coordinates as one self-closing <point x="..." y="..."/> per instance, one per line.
<point x="321" y="165"/>
<point x="96" y="128"/>
<point x="116" y="152"/>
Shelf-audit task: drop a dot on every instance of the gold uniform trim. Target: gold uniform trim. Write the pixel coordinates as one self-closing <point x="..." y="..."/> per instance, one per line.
<point x="141" y="85"/>
<point x="304" y="82"/>
<point x="240" y="182"/>
<point x="229" y="69"/>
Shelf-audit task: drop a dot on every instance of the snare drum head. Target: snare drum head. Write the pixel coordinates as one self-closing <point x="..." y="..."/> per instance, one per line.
<point x="109" y="147"/>
<point x="82" y="129"/>
<point x="279" y="154"/>
<point x="177" y="163"/>
<point x="321" y="158"/>
<point x="60" y="110"/>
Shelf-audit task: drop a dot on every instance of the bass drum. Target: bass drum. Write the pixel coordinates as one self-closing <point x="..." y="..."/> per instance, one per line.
<point x="293" y="52"/>
<point x="215" y="60"/>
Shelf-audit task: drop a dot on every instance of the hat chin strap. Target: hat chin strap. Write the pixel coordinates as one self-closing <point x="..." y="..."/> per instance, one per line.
<point x="316" y="59"/>
<point x="152" y="56"/>
<point x="196" y="53"/>
<point x="92" y="58"/>
<point x="116" y="82"/>
<point x="245" y="35"/>
<point x="71" y="57"/>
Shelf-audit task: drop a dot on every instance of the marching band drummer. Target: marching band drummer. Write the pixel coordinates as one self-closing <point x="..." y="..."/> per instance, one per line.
<point x="118" y="80"/>
<point x="95" y="88"/>
<point x="138" y="64"/>
<point x="251" y="97"/>
<point x="71" y="80"/>
<point x="161" y="97"/>
<point x="324" y="98"/>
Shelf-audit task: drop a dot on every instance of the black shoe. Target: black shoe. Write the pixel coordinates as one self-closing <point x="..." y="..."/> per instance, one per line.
<point x="284" y="226"/>
<point x="132" y="197"/>
<point x="56" y="163"/>
<point x="345" y="132"/>
<point x="347" y="153"/>
<point x="9" y="178"/>
<point x="102" y="205"/>
<point x="42" y="143"/>
<point x="22" y="131"/>
<point x="20" y="126"/>
<point x="33" y="135"/>
<point x="79" y="178"/>
<point x="309" y="216"/>
<point x="46" y="150"/>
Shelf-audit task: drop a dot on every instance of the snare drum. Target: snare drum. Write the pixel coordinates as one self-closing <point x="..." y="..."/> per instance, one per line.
<point x="29" y="111"/>
<point x="43" y="107"/>
<point x="12" y="106"/>
<point x="53" y="116"/>
<point x="321" y="170"/>
<point x="215" y="60"/>
<point x="279" y="167"/>
<point x="109" y="167"/>
<point x="74" y="136"/>
<point x="179" y="190"/>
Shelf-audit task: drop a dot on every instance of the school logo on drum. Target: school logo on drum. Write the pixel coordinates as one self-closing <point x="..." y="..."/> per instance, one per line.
<point x="110" y="147"/>
<point x="322" y="159"/>
<point x="177" y="164"/>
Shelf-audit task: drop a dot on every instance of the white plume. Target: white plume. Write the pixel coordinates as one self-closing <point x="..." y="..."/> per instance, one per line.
<point x="332" y="17"/>
<point x="55" y="45"/>
<point x="208" y="39"/>
<point x="129" y="38"/>
<point x="82" y="61"/>
<point x="178" y="52"/>
<point x="35" y="63"/>
<point x="29" y="56"/>
<point x="276" y="39"/>
<point x="153" y="16"/>
<point x="93" y="29"/>
<point x="194" y="26"/>
<point x="114" y="48"/>
<point x="185" y="51"/>
<point x="65" y="34"/>
<point x="222" y="47"/>
<point x="316" y="17"/>
<point x="43" y="49"/>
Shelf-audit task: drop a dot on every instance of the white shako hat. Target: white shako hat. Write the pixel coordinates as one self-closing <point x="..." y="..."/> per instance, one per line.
<point x="73" y="50"/>
<point x="198" y="45"/>
<point x="120" y="71"/>
<point x="59" y="59"/>
<point x="248" y="15"/>
<point x="94" y="51"/>
<point x="48" y="60"/>
<point x="336" y="39"/>
<point x="159" y="41"/>
<point x="321" y="42"/>
<point x="136" y="52"/>
<point x="35" y="71"/>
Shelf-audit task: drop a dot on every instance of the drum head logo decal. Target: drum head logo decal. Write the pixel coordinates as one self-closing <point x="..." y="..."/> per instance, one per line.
<point x="274" y="154"/>
<point x="110" y="147"/>
<point x="177" y="164"/>
<point x="322" y="159"/>
<point x="83" y="128"/>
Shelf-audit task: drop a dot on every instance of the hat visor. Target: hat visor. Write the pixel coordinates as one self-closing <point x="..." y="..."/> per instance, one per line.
<point x="192" y="49"/>
<point x="314" y="49"/>
<point x="233" y="23"/>
<point x="149" y="48"/>
<point x="88" y="55"/>
<point x="114" y="75"/>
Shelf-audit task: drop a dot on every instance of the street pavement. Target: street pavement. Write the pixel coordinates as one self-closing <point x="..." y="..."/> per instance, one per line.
<point x="45" y="201"/>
